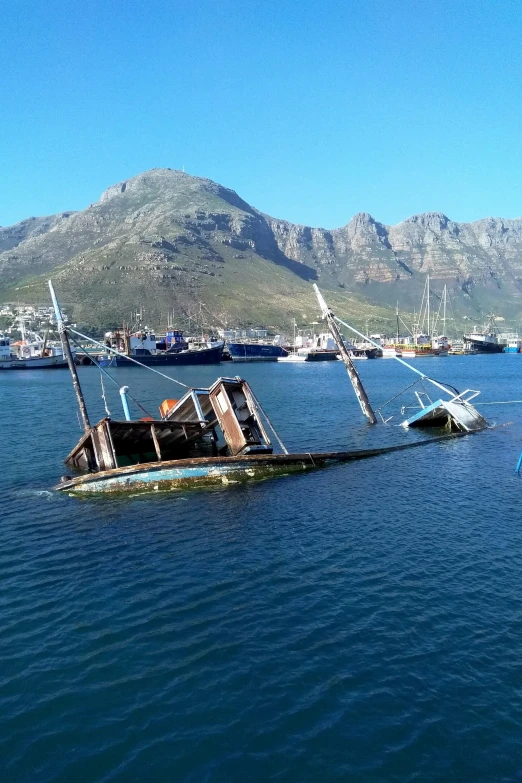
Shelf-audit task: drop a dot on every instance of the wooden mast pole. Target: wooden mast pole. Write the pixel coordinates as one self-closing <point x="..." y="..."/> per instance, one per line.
<point x="359" y="389"/>
<point x="70" y="360"/>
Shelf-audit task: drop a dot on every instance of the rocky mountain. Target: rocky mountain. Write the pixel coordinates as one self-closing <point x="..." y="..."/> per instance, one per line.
<point x="165" y="240"/>
<point x="11" y="236"/>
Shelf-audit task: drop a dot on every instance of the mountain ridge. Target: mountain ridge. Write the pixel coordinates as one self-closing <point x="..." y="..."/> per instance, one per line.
<point x="174" y="240"/>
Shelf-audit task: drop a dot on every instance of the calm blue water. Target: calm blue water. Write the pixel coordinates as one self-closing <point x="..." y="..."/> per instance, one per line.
<point x="362" y="623"/>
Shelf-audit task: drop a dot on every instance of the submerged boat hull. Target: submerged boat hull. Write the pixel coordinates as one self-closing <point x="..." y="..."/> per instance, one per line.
<point x="212" y="471"/>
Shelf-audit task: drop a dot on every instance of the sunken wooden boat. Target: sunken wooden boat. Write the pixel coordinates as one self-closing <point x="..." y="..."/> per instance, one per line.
<point x="210" y="436"/>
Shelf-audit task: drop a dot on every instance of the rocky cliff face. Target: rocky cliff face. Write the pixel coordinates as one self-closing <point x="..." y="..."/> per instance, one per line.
<point x="169" y="238"/>
<point x="11" y="236"/>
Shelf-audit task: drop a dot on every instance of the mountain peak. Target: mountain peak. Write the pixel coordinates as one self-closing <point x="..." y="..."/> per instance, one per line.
<point x="436" y="220"/>
<point x="151" y="179"/>
<point x="362" y="219"/>
<point x="177" y="187"/>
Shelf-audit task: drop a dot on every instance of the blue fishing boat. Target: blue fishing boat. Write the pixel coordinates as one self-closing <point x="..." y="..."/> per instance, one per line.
<point x="255" y="351"/>
<point x="171" y="350"/>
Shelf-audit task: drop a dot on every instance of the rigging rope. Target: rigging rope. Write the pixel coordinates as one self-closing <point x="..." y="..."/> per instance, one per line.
<point x="281" y="444"/>
<point x="128" y="358"/>
<point x="109" y="376"/>
<point x="398" y="359"/>
<point x="397" y="395"/>
<point x="107" y="411"/>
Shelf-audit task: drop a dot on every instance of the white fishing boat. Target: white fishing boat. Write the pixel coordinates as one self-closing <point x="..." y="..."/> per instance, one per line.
<point x="391" y="351"/>
<point x="359" y="356"/>
<point x="314" y="348"/>
<point x="34" y="354"/>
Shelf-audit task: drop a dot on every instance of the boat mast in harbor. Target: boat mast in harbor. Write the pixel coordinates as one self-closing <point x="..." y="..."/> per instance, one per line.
<point x="350" y="368"/>
<point x="62" y="331"/>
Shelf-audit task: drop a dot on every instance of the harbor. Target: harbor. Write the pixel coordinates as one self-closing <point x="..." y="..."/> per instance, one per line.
<point x="203" y="583"/>
<point x="423" y="335"/>
<point x="228" y="562"/>
<point x="260" y="393"/>
<point x="219" y="434"/>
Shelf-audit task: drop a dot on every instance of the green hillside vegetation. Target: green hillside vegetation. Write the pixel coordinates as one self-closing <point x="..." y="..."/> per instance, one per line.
<point x="167" y="242"/>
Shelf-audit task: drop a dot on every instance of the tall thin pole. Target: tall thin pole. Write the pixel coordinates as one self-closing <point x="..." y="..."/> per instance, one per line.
<point x="359" y="389"/>
<point x="428" y="302"/>
<point x="70" y="360"/>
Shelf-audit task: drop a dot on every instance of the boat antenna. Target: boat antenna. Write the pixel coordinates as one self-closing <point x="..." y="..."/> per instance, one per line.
<point x="62" y="331"/>
<point x="359" y="389"/>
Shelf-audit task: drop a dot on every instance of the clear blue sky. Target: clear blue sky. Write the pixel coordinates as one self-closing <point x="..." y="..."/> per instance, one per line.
<point x="312" y="111"/>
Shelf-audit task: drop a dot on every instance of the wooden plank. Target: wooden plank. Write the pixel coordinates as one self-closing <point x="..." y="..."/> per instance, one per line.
<point x="107" y="456"/>
<point x="156" y="442"/>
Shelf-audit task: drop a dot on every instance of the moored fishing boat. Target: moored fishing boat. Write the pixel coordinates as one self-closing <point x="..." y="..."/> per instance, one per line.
<point x="255" y="351"/>
<point x="34" y="354"/>
<point x="317" y="348"/>
<point x="460" y="348"/>
<point x="514" y="344"/>
<point x="486" y="340"/>
<point x="293" y="357"/>
<point x="391" y="351"/>
<point x="418" y="350"/>
<point x="150" y="352"/>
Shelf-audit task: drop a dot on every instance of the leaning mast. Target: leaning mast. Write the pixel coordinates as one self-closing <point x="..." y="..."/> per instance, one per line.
<point x="70" y="360"/>
<point x="352" y="372"/>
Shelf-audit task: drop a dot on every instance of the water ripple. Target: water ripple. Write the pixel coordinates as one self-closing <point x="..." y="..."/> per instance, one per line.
<point x="361" y="623"/>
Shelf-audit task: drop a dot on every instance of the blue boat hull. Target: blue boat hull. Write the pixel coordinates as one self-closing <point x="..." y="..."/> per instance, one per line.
<point x="166" y="359"/>
<point x="255" y="352"/>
